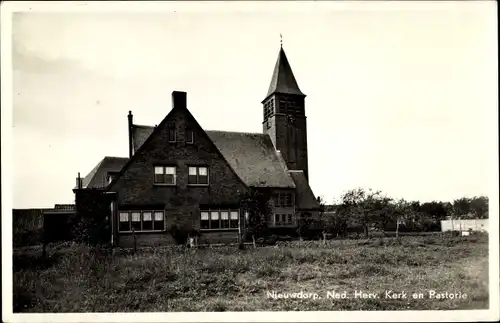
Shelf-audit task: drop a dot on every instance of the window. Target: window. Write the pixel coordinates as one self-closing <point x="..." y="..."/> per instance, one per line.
<point x="233" y="223"/>
<point x="219" y="219"/>
<point x="159" y="221"/>
<point x="198" y="175"/>
<point x="283" y="199"/>
<point x="268" y="109"/>
<point x="165" y="175"/>
<point x="171" y="132"/>
<point x="283" y="219"/>
<point x="282" y="106"/>
<point x="189" y="136"/>
<point x="147" y="220"/>
<point x="204" y="222"/>
<point x="141" y="221"/>
<point x="214" y="220"/>
<point x="224" y="220"/>
<point x="111" y="177"/>
<point x="124" y="222"/>
<point x="136" y="221"/>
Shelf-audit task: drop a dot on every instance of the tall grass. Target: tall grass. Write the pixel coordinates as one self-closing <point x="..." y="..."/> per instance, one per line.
<point x="75" y="278"/>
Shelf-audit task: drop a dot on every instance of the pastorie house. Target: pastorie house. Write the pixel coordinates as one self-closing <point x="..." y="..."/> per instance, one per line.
<point x="181" y="175"/>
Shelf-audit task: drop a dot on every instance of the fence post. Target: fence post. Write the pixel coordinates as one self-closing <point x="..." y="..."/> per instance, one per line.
<point x="135" y="240"/>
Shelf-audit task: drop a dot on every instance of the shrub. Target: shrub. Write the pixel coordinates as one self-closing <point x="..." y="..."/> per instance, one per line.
<point x="180" y="234"/>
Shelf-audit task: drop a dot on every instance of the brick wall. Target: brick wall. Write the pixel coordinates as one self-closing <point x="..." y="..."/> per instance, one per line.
<point x="145" y="240"/>
<point x="290" y="140"/>
<point x="216" y="237"/>
<point x="182" y="202"/>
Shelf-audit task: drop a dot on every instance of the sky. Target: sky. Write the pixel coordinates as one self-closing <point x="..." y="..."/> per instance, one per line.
<point x="401" y="97"/>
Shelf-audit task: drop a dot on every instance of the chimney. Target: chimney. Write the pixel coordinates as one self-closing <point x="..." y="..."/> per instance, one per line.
<point x="130" y="143"/>
<point x="79" y="183"/>
<point x="179" y="100"/>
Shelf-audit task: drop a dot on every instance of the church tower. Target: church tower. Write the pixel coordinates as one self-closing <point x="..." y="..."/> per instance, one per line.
<point x="284" y="115"/>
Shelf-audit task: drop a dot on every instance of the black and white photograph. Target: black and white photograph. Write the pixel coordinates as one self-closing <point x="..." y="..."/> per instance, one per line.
<point x="249" y="161"/>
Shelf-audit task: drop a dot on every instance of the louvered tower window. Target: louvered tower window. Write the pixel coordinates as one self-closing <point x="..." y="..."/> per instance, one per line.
<point x="268" y="111"/>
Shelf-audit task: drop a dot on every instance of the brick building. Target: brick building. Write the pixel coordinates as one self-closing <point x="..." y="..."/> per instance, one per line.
<point x="179" y="174"/>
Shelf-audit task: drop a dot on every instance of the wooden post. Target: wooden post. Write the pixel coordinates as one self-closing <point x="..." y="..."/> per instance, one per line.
<point x="397" y="229"/>
<point x="135" y="240"/>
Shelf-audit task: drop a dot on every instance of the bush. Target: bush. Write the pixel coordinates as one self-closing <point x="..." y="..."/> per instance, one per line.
<point x="27" y="238"/>
<point x="182" y="233"/>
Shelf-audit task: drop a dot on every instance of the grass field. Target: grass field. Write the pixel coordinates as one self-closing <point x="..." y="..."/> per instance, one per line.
<point x="76" y="279"/>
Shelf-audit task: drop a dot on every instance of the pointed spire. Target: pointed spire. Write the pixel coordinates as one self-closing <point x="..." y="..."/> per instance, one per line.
<point x="283" y="80"/>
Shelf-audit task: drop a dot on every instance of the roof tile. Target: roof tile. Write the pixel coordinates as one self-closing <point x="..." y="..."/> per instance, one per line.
<point x="283" y="80"/>
<point x="97" y="178"/>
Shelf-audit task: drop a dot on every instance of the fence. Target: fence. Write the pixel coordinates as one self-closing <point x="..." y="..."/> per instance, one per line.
<point x="464" y="225"/>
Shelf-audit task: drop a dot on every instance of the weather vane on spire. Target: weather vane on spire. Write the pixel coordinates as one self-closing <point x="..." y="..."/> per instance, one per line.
<point x="281" y="40"/>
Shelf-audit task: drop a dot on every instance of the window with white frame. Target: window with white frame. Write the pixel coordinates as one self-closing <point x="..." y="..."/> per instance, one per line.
<point x="138" y="220"/>
<point x="189" y="136"/>
<point x="171" y="132"/>
<point x="204" y="220"/>
<point x="159" y="221"/>
<point x="222" y="219"/>
<point x="147" y="220"/>
<point x="283" y="219"/>
<point x="198" y="175"/>
<point x="283" y="199"/>
<point x="234" y="219"/>
<point x="165" y="175"/>
<point x="124" y="221"/>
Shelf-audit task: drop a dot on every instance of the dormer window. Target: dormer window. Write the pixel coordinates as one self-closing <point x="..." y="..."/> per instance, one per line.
<point x="171" y="132"/>
<point x="111" y="177"/>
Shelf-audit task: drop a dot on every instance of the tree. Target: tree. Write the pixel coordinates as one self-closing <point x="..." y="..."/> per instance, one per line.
<point x="335" y="222"/>
<point x="437" y="210"/>
<point x="304" y="223"/>
<point x="462" y="207"/>
<point x="366" y="208"/>
<point x="404" y="213"/>
<point x="323" y="225"/>
<point x="479" y="207"/>
<point x="256" y="203"/>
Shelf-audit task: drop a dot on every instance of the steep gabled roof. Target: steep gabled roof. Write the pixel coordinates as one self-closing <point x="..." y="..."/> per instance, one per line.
<point x="305" y="196"/>
<point x="251" y="155"/>
<point x="141" y="132"/>
<point x="283" y="80"/>
<point x="97" y="176"/>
